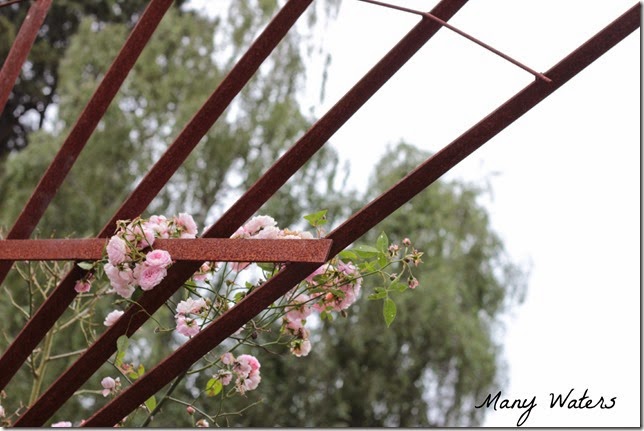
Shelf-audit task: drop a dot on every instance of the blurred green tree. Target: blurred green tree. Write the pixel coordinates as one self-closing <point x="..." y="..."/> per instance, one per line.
<point x="37" y="86"/>
<point x="442" y="353"/>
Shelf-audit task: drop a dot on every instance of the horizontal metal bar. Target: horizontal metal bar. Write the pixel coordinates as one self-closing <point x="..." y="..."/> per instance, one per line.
<point x="198" y="249"/>
<point x="156" y="378"/>
<point x="147" y="189"/>
<point x="248" y="204"/>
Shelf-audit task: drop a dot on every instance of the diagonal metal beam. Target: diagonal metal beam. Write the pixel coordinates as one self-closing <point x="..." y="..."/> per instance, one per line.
<point x="85" y="124"/>
<point x="140" y="198"/>
<point x="356" y="226"/>
<point x="198" y="249"/>
<point x="247" y="205"/>
<point x="20" y="49"/>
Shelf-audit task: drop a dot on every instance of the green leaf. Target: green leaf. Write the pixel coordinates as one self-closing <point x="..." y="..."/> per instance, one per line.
<point x="366" y="251"/>
<point x="86" y="265"/>
<point x="378" y="295"/>
<point x="389" y="311"/>
<point x="382" y="260"/>
<point x="151" y="403"/>
<point x="316" y="219"/>
<point x="267" y="267"/>
<point x="213" y="387"/>
<point x="398" y="286"/>
<point x="118" y="361"/>
<point x="140" y="370"/>
<point x="122" y="343"/>
<point x="382" y="243"/>
<point x="348" y="255"/>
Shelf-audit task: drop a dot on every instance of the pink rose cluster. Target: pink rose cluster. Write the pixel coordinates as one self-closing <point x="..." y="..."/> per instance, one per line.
<point x="264" y="227"/>
<point x="336" y="288"/>
<point x="128" y="267"/>
<point x="244" y="369"/>
<point x="187" y="313"/>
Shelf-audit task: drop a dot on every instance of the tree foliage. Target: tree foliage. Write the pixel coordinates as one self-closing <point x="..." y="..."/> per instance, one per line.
<point x="441" y="353"/>
<point x="440" y="356"/>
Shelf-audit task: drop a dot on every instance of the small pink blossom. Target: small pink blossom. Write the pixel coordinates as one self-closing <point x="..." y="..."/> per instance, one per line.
<point x="187" y="326"/>
<point x="149" y="276"/>
<point x="225" y="377"/>
<point x="252" y="381"/>
<point x="301" y="348"/>
<point x="2" y="412"/>
<point x="269" y="232"/>
<point x="190" y="410"/>
<point x="249" y="360"/>
<point x="159" y="225"/>
<point x="109" y="385"/>
<point x="124" y="290"/>
<point x="159" y="258"/>
<point x="406" y="242"/>
<point x="116" y="250"/>
<point x="62" y="424"/>
<point x="111" y="318"/>
<point x="186" y="225"/>
<point x="82" y="286"/>
<point x="191" y="306"/>
<point x="257" y="223"/>
<point x="413" y="283"/>
<point x="227" y="358"/>
<point x="202" y="423"/>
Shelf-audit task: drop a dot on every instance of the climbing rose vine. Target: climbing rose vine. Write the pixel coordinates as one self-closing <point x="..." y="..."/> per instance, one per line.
<point x="132" y="265"/>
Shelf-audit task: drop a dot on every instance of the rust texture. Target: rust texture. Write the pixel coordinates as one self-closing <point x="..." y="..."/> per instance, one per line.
<point x="85" y="124"/>
<point x="260" y="192"/>
<point x="21" y="46"/>
<point x="199" y="249"/>
<point x="251" y="201"/>
<point x="365" y="219"/>
<point x="152" y="183"/>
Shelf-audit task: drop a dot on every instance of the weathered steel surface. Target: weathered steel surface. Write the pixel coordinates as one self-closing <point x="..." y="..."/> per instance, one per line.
<point x="85" y="124"/>
<point x="20" y="49"/>
<point x="412" y="184"/>
<point x="199" y="249"/>
<point x="249" y="203"/>
<point x="64" y="293"/>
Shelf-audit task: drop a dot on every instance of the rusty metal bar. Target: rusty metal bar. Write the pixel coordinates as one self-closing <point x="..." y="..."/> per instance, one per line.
<point x="198" y="249"/>
<point x="247" y="205"/>
<point x="20" y="49"/>
<point x="368" y="217"/>
<point x="462" y="33"/>
<point x="85" y="124"/>
<point x="140" y="198"/>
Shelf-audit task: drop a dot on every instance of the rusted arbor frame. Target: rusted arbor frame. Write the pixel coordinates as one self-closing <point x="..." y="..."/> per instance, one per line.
<point x="198" y="249"/>
<point x="366" y="218"/>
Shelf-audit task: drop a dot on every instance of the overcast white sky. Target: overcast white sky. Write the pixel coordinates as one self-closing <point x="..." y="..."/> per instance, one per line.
<point x="565" y="179"/>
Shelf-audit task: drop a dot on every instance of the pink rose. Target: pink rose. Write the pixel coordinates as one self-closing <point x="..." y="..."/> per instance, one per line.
<point x="149" y="276"/>
<point x="82" y="286"/>
<point x="187" y="326"/>
<point x="109" y="384"/>
<point x="111" y="318"/>
<point x="116" y="250"/>
<point x="159" y="258"/>
<point x="186" y="225"/>
<point x="252" y="361"/>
